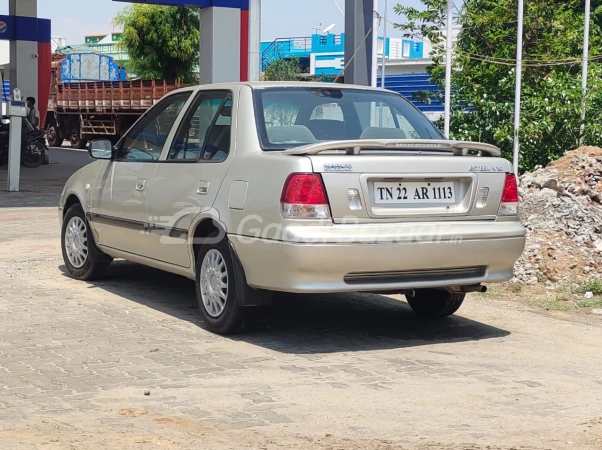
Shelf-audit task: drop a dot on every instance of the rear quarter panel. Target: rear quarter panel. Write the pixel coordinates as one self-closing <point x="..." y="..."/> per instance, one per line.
<point x="264" y="174"/>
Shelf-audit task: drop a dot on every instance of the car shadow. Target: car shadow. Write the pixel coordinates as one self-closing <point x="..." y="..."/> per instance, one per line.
<point x="302" y="324"/>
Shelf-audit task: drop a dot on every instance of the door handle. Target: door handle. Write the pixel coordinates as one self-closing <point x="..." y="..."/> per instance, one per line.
<point x="140" y="184"/>
<point x="203" y="188"/>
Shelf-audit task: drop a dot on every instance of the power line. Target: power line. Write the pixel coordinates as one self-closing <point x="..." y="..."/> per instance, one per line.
<point x="528" y="63"/>
<point x="499" y="58"/>
<point x="510" y="61"/>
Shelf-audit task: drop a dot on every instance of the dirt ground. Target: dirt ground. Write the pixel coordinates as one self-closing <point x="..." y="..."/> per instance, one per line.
<point x="323" y="372"/>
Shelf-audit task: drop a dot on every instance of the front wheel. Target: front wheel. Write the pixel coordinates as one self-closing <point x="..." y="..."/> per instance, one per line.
<point x="435" y="302"/>
<point x="34" y="155"/>
<point x="216" y="289"/>
<point x="82" y="259"/>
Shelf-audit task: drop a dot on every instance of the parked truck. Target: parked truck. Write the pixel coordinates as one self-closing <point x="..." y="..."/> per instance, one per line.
<point x="90" y="98"/>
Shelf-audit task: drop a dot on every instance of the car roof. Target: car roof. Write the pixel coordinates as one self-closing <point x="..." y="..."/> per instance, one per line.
<point x="306" y="84"/>
<point x="285" y="84"/>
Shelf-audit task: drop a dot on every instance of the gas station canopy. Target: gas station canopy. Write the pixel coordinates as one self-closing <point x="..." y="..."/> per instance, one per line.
<point x="220" y="18"/>
<point x="240" y="4"/>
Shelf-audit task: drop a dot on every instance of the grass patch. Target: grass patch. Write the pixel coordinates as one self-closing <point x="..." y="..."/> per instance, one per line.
<point x="565" y="301"/>
<point x="590" y="303"/>
<point x="593" y="285"/>
<point x="561" y="302"/>
<point x="515" y="288"/>
<point x="567" y="296"/>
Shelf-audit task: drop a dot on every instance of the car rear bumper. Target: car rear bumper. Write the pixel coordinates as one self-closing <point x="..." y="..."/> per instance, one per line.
<point x="455" y="255"/>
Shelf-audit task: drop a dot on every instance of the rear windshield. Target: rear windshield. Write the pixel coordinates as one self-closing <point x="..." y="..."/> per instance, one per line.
<point x="295" y="116"/>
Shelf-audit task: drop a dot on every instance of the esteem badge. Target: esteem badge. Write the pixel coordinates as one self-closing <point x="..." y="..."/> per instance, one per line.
<point x="337" y="168"/>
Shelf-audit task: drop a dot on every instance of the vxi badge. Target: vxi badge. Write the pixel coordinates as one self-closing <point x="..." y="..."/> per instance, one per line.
<point x="487" y="169"/>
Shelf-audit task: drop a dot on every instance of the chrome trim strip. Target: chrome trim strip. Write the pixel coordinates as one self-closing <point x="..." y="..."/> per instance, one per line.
<point x="145" y="227"/>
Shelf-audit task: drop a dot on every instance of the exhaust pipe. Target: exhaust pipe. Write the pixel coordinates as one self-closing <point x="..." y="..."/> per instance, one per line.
<point x="472" y="288"/>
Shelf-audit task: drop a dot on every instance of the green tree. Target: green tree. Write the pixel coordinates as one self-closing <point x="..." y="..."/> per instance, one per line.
<point x="483" y="78"/>
<point x="290" y="69"/>
<point x="283" y="69"/>
<point x="161" y="41"/>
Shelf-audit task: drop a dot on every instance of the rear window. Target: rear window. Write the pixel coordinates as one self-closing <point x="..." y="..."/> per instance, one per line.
<point x="295" y="116"/>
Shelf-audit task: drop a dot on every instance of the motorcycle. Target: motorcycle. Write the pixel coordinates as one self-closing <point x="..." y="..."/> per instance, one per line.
<point x="33" y="144"/>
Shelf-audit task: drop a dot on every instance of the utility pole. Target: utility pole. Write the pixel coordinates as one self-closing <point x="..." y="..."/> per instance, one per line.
<point x="359" y="20"/>
<point x="448" y="67"/>
<point x="519" y="71"/>
<point x="584" y="69"/>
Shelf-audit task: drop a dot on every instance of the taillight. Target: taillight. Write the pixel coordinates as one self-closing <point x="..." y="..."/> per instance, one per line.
<point x="304" y="197"/>
<point x="510" y="198"/>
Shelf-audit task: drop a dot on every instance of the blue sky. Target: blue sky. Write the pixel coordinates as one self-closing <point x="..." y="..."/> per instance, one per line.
<point x="281" y="18"/>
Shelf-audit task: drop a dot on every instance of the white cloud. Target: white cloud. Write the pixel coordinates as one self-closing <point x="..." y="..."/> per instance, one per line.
<point x="75" y="29"/>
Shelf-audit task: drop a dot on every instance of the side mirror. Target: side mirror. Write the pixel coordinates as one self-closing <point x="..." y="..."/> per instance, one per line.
<point x="101" y="149"/>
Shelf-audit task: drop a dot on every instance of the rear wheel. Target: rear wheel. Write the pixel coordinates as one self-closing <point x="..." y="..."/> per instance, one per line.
<point x="216" y="289"/>
<point x="76" y="139"/>
<point x="435" y="302"/>
<point x="53" y="135"/>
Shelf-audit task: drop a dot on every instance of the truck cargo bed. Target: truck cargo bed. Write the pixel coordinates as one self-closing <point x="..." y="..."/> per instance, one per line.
<point x="110" y="97"/>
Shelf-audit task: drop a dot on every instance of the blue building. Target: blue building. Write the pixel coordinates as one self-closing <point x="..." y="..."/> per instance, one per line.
<point x="324" y="55"/>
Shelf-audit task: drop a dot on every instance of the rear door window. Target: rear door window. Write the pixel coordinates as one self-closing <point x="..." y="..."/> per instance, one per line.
<point x="204" y="133"/>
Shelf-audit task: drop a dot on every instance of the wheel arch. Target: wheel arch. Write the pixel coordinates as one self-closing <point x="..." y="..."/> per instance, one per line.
<point x="210" y="226"/>
<point x="71" y="200"/>
<point x="204" y="227"/>
<point x="50" y="119"/>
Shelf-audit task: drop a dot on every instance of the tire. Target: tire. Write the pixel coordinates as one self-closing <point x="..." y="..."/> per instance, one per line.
<point x="76" y="139"/>
<point x="53" y="135"/>
<point x="435" y="302"/>
<point x="33" y="160"/>
<point x="95" y="263"/>
<point x="82" y="144"/>
<point x="221" y="311"/>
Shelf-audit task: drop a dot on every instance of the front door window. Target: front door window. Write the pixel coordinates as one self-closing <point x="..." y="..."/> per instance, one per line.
<point x="146" y="140"/>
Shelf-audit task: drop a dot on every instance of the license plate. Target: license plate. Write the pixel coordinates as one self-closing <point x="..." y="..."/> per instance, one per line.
<point x="414" y="192"/>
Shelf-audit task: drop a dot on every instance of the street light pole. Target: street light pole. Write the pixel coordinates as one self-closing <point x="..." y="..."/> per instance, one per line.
<point x="519" y="70"/>
<point x="448" y="67"/>
<point x="375" y="21"/>
<point x="584" y="69"/>
<point x="384" y="64"/>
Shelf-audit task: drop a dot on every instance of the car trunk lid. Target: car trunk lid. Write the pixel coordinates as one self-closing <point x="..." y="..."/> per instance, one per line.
<point x="403" y="180"/>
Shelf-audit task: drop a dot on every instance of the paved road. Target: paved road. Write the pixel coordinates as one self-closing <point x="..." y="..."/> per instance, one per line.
<point x="43" y="185"/>
<point x="323" y="372"/>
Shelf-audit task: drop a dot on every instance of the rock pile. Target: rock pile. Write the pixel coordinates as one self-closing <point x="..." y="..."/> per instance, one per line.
<point x="562" y="211"/>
